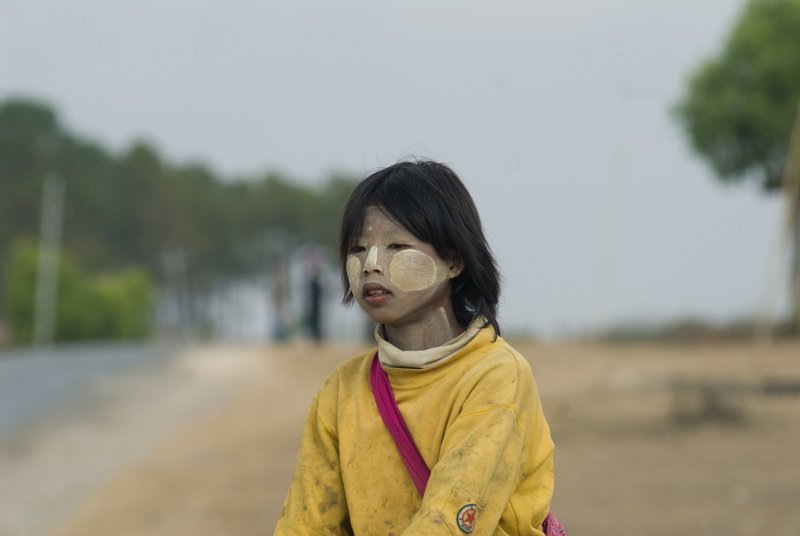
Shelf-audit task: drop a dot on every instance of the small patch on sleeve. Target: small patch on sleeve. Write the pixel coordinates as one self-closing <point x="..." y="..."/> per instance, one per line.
<point x="467" y="517"/>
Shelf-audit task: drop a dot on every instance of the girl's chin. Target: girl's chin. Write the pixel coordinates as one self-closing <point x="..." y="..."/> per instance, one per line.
<point x="382" y="315"/>
<point x="397" y="312"/>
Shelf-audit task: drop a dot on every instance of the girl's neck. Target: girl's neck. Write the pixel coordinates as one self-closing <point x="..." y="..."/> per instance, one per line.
<point x="434" y="329"/>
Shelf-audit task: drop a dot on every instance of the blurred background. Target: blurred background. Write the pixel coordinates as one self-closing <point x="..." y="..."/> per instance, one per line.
<point x="171" y="180"/>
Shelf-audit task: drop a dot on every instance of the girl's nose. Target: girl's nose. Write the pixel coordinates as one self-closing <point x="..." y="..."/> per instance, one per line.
<point x="371" y="264"/>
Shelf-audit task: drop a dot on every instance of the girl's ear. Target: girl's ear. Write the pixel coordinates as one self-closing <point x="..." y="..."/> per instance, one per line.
<point x="456" y="266"/>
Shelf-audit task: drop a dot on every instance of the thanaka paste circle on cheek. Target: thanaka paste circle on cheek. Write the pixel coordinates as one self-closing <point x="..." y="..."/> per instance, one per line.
<point x="412" y="270"/>
<point x="353" y="268"/>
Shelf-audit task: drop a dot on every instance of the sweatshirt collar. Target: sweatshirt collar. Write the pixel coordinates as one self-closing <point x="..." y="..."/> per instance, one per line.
<point x="393" y="356"/>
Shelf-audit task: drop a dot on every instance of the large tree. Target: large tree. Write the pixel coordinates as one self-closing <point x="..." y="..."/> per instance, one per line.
<point x="742" y="106"/>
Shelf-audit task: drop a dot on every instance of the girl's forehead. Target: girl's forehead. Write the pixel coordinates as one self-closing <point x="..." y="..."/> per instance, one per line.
<point x="376" y="220"/>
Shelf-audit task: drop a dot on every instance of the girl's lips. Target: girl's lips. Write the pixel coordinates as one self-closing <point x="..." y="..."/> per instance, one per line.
<point x="375" y="294"/>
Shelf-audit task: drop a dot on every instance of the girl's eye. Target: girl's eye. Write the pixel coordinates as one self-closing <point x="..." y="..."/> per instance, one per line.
<point x="397" y="245"/>
<point x="356" y="249"/>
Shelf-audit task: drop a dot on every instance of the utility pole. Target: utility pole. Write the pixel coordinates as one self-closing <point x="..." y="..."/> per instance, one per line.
<point x="46" y="293"/>
<point x="791" y="186"/>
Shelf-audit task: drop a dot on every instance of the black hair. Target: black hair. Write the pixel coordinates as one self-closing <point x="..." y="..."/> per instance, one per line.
<point x="431" y="202"/>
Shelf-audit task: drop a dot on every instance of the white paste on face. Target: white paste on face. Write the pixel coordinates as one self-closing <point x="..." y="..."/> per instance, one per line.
<point x="412" y="270"/>
<point x="372" y="259"/>
<point x="353" y="268"/>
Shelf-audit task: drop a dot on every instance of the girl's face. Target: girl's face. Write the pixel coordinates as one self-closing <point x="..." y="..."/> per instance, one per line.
<point x="396" y="278"/>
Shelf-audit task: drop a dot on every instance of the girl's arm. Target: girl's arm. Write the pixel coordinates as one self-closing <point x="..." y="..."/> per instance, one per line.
<point x="497" y="456"/>
<point x="316" y="502"/>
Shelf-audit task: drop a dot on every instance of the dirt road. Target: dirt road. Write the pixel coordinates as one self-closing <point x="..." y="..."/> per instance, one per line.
<point x="655" y="440"/>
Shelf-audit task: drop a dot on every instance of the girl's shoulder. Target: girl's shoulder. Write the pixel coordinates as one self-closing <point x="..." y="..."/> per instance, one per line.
<point x="357" y="363"/>
<point x="495" y="373"/>
<point x="353" y="367"/>
<point x="343" y="385"/>
<point x="495" y="352"/>
<point x="490" y="359"/>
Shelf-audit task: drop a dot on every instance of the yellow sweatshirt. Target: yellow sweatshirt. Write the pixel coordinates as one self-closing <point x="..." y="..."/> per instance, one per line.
<point x="477" y="421"/>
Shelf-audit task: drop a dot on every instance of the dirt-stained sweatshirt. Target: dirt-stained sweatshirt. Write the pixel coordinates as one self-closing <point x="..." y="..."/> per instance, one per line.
<point x="477" y="421"/>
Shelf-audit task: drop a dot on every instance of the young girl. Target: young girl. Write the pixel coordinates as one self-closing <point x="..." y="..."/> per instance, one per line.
<point x="415" y="258"/>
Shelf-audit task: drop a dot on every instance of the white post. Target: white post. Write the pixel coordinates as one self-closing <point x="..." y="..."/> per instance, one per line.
<point x="46" y="293"/>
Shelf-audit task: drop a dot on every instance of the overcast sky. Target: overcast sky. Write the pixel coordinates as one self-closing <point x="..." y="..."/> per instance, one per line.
<point x="554" y="112"/>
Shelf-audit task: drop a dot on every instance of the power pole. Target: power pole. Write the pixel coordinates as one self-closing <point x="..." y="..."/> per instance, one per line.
<point x="791" y="186"/>
<point x="46" y="293"/>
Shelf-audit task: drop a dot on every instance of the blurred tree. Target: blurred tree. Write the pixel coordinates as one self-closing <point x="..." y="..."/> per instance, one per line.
<point x="740" y="108"/>
<point x="28" y="134"/>
<point x="136" y="209"/>
<point x="20" y="287"/>
<point x="110" y="306"/>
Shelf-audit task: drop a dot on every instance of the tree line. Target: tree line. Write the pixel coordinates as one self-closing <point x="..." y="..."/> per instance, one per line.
<point x="135" y="210"/>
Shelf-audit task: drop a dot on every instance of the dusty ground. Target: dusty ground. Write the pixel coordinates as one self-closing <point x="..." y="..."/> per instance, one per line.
<point x="655" y="440"/>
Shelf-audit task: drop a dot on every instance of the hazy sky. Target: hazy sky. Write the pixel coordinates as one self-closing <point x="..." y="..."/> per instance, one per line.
<point x="554" y="112"/>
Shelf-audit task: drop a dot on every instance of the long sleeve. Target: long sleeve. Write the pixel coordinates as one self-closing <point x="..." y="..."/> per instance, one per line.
<point x="316" y="503"/>
<point x="479" y="468"/>
<point x="481" y="460"/>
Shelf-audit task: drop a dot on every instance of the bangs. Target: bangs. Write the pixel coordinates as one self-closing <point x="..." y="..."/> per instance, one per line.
<point x="404" y="201"/>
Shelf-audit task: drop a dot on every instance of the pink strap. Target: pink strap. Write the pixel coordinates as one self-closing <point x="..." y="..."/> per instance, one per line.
<point x="393" y="419"/>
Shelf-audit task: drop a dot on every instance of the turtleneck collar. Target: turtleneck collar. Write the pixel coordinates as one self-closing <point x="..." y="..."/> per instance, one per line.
<point x="392" y="356"/>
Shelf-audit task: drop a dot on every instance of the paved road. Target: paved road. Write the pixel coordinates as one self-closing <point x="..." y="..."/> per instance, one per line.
<point x="34" y="383"/>
<point x="73" y="417"/>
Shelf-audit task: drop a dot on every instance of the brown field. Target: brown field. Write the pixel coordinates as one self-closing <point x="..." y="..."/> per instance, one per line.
<point x="654" y="440"/>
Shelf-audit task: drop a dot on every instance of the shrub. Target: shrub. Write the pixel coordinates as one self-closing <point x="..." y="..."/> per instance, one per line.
<point x="108" y="306"/>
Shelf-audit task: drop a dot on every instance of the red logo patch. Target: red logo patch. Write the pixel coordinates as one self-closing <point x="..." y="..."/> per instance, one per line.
<point x="467" y="517"/>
